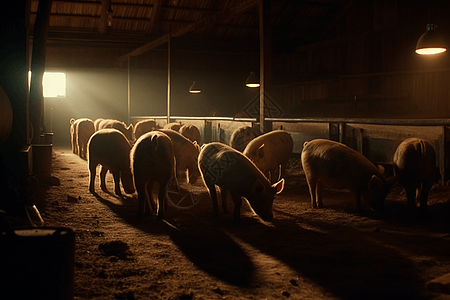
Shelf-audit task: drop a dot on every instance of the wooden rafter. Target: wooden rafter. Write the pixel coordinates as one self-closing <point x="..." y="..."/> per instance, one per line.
<point x="155" y="16"/>
<point x="208" y="21"/>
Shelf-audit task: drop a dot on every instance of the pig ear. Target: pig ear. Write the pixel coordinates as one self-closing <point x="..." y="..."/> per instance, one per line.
<point x="375" y="183"/>
<point x="258" y="187"/>
<point x="154" y="140"/>
<point x="381" y="169"/>
<point x="279" y="186"/>
<point x="260" y="151"/>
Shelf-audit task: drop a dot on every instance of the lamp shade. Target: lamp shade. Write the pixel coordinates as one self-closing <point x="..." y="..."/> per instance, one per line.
<point x="252" y="81"/>
<point x="431" y="42"/>
<point x="194" y="89"/>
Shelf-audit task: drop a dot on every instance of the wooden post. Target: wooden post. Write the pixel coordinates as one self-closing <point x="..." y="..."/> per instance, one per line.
<point x="265" y="44"/>
<point x="38" y="67"/>
<point x="129" y="90"/>
<point x="103" y="24"/>
<point x="168" y="80"/>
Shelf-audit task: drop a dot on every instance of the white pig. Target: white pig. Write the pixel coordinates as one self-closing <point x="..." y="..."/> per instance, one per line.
<point x="191" y="132"/>
<point x="229" y="169"/>
<point x="174" y="126"/>
<point x="186" y="156"/>
<point x="152" y="159"/>
<point x="415" y="168"/>
<point x="271" y="152"/>
<point x="242" y="136"/>
<point x="110" y="149"/>
<point x="119" y="125"/>
<point x="144" y="126"/>
<point x="335" y="165"/>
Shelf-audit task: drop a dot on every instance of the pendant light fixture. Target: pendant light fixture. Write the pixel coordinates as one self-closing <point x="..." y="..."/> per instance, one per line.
<point x="252" y="81"/>
<point x="431" y="42"/>
<point x="194" y="89"/>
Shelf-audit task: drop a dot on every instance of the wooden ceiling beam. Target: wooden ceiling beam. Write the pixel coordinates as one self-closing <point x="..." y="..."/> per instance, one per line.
<point x="105" y="10"/>
<point x="208" y="21"/>
<point x="155" y="16"/>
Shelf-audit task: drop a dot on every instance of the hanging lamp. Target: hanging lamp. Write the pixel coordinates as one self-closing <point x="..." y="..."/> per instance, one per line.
<point x="252" y="81"/>
<point x="431" y="42"/>
<point x="194" y="89"/>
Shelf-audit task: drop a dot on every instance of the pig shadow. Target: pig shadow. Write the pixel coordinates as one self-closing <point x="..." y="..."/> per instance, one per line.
<point x="347" y="263"/>
<point x="201" y="241"/>
<point x="214" y="252"/>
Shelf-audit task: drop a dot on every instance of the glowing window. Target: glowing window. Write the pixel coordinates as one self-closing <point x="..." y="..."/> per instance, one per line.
<point x="54" y="84"/>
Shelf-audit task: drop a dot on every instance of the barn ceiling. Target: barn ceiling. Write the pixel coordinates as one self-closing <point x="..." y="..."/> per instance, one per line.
<point x="137" y="22"/>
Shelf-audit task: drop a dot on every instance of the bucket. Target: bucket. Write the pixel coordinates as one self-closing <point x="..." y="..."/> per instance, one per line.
<point x="37" y="263"/>
<point x="42" y="160"/>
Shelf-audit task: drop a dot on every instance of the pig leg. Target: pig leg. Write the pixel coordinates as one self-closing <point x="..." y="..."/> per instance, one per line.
<point x="149" y="203"/>
<point x="237" y="199"/>
<point x="116" y="176"/>
<point x="213" y="195"/>
<point x="142" y="196"/>
<point x="411" y="193"/>
<point x="103" y="172"/>
<point x="319" y="187"/>
<point x="92" y="174"/>
<point x="312" y="191"/>
<point x="224" y="196"/>
<point x="162" y="200"/>
<point x="426" y="187"/>
<point x="357" y="201"/>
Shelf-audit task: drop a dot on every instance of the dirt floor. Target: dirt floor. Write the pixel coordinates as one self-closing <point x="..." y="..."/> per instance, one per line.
<point x="304" y="253"/>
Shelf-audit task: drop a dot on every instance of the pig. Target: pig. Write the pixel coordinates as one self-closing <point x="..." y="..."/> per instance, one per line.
<point x="191" y="132"/>
<point x="73" y="140"/>
<point x="119" y="125"/>
<point x="186" y="156"/>
<point x="271" y="152"/>
<point x="229" y="169"/>
<point x="97" y="123"/>
<point x="144" y="126"/>
<point x="334" y="164"/>
<point x="110" y="149"/>
<point x="84" y="129"/>
<point x="152" y="159"/>
<point x="174" y="126"/>
<point x="414" y="165"/>
<point x="242" y="136"/>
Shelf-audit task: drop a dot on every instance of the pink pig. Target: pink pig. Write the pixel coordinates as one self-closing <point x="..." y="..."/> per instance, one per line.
<point x="83" y="130"/>
<point x="229" y="169"/>
<point x="334" y="164"/>
<point x="152" y="159"/>
<point x="119" y="125"/>
<point x="110" y="149"/>
<point x="415" y="167"/>
<point x="144" y="126"/>
<point x="271" y="152"/>
<point x="191" y="132"/>
<point x="186" y="155"/>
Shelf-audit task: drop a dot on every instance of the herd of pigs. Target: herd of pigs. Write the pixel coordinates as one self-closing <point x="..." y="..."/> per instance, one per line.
<point x="252" y="166"/>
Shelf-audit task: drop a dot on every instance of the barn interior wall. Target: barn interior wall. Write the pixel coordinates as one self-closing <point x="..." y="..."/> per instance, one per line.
<point x="365" y="67"/>
<point x="97" y="85"/>
<point x="368" y="67"/>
